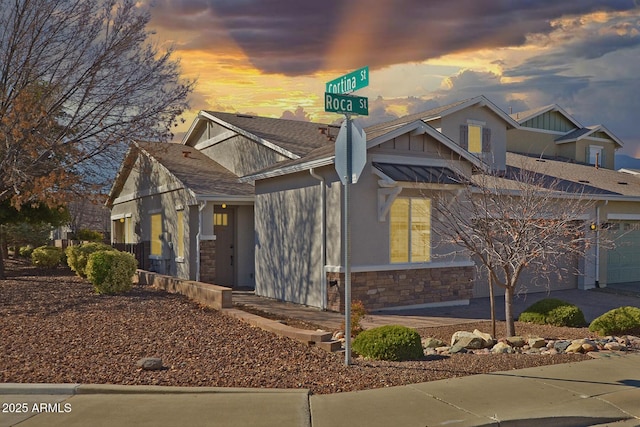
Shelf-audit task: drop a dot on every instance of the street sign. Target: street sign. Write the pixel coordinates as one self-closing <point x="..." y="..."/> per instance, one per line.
<point x="346" y="104"/>
<point x="358" y="152"/>
<point x="349" y="82"/>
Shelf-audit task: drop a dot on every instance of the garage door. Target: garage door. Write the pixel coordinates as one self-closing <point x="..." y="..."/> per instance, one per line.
<point x="623" y="261"/>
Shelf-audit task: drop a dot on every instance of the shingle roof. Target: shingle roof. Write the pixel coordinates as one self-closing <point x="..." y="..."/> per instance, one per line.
<point x="382" y="128"/>
<point x="574" y="176"/>
<point x="295" y="136"/>
<point x="197" y="172"/>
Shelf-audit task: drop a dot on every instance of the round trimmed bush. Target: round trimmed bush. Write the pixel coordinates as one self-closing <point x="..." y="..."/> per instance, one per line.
<point x="111" y="272"/>
<point x="617" y="321"/>
<point x="390" y="342"/>
<point x="77" y="256"/>
<point x="552" y="311"/>
<point x="46" y="256"/>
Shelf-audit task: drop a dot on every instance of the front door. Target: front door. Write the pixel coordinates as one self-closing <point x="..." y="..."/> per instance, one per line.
<point x="224" y="229"/>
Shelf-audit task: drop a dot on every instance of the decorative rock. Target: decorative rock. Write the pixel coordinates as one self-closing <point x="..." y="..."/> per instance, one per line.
<point x="575" y="347"/>
<point x="488" y="339"/>
<point x="431" y="343"/>
<point x="150" y="363"/>
<point x="536" y="342"/>
<point x="471" y="342"/>
<point x="589" y="346"/>
<point x="561" y="346"/>
<point x="614" y="345"/>
<point x="501" y="348"/>
<point x="515" y="341"/>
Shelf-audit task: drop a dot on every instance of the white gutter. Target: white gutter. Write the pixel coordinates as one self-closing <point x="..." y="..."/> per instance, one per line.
<point x="323" y="241"/>
<point x="201" y="206"/>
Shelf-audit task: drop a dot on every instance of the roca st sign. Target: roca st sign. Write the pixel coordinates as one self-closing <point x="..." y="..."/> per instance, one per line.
<point x="346" y="104"/>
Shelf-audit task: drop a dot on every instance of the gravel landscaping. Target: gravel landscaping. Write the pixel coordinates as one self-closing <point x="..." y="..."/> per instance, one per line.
<point x="54" y="329"/>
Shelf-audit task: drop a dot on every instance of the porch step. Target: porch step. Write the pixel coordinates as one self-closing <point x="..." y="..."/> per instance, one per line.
<point x="330" y="346"/>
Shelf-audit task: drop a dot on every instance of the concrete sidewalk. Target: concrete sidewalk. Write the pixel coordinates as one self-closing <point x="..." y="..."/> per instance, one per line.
<point x="596" y="392"/>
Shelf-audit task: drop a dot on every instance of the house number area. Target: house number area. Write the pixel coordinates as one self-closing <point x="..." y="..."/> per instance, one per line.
<point x="35" y="408"/>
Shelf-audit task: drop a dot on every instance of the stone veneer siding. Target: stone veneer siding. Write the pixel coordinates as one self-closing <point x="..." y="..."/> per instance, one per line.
<point x="208" y="261"/>
<point x="394" y="288"/>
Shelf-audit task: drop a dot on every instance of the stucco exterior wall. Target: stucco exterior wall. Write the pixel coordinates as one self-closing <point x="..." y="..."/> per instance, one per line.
<point x="288" y="263"/>
<point x="531" y="142"/>
<point x="451" y="128"/>
<point x="242" y="156"/>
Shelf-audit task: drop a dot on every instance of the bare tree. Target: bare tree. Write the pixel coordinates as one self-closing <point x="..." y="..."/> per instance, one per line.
<point x="523" y="221"/>
<point x="78" y="80"/>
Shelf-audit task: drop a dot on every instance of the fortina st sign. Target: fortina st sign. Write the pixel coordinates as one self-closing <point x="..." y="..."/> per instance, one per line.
<point x="346" y="104"/>
<point x="349" y="82"/>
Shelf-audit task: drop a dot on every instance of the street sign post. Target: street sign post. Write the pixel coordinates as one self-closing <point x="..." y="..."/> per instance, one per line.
<point x="349" y="82"/>
<point x="346" y="104"/>
<point x="351" y="156"/>
<point x="358" y="152"/>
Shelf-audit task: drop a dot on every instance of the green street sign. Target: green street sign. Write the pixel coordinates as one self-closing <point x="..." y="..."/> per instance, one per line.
<point x="346" y="104"/>
<point x="349" y="82"/>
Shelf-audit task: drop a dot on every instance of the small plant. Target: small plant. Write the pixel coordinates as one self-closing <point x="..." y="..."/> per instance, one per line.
<point x="46" y="256"/>
<point x="552" y="311"/>
<point x="617" y="321"/>
<point x="390" y="342"/>
<point x="357" y="314"/>
<point x="77" y="256"/>
<point x="111" y="271"/>
<point x="25" y="251"/>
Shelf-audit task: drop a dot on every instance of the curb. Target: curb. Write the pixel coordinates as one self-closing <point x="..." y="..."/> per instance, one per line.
<point x="78" y="389"/>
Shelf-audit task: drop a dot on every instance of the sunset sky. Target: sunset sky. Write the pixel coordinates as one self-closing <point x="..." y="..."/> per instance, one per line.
<point x="273" y="57"/>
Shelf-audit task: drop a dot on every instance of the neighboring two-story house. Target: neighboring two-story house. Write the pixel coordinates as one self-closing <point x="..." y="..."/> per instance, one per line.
<point x="255" y="202"/>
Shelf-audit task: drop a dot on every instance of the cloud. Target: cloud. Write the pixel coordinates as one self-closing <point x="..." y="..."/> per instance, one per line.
<point x="296" y="38"/>
<point x="299" y="114"/>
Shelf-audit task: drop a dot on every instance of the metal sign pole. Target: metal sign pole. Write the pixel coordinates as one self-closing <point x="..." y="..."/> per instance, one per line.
<point x="347" y="248"/>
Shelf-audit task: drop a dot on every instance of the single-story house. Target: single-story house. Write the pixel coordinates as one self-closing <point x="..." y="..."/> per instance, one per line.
<point x="255" y="202"/>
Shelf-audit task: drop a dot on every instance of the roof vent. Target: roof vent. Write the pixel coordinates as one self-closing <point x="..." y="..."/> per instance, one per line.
<point x="245" y="116"/>
<point x="623" y="183"/>
<point x="186" y="154"/>
<point x="584" y="181"/>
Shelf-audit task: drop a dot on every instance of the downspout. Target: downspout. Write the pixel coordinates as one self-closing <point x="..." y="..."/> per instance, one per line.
<point x="201" y="206"/>
<point x="598" y="243"/>
<point x="323" y="240"/>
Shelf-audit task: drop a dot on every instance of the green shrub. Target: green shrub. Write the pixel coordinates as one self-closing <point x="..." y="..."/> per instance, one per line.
<point x="391" y="342"/>
<point x="617" y="321"/>
<point x="89" y="235"/>
<point x="111" y="272"/>
<point x="77" y="256"/>
<point x="46" y="256"/>
<point x="551" y="311"/>
<point x="25" y="251"/>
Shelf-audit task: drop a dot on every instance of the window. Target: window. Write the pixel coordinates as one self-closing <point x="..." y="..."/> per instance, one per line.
<point x="595" y="155"/>
<point x="475" y="138"/>
<point x="180" y="233"/>
<point x="220" y="219"/>
<point x="156" y="231"/>
<point x="410" y="233"/>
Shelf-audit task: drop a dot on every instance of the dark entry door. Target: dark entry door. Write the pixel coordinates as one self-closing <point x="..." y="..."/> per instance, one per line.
<point x="224" y="229"/>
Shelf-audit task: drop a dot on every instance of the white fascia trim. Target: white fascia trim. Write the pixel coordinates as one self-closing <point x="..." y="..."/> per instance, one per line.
<point x="251" y="136"/>
<point x="404" y="266"/>
<point x="148" y="192"/>
<point x="549" y="132"/>
<point x="623" y="217"/>
<point x="226" y="199"/>
<point x="300" y="167"/>
<point x="117" y="217"/>
<point x="215" y="140"/>
<point x="195" y="122"/>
